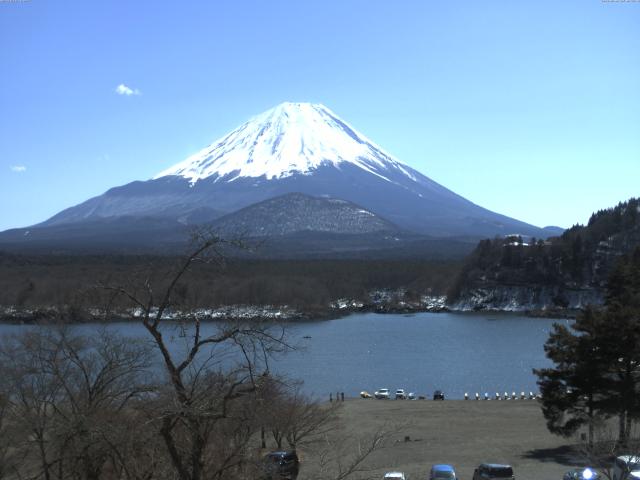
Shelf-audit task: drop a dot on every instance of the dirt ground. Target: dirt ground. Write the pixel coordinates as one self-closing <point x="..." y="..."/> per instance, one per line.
<point x="461" y="433"/>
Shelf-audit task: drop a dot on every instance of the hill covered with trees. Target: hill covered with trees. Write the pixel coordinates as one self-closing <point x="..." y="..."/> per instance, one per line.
<point x="565" y="272"/>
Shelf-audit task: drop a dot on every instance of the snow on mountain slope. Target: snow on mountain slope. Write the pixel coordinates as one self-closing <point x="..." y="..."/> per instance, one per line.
<point x="295" y="148"/>
<point x="291" y="138"/>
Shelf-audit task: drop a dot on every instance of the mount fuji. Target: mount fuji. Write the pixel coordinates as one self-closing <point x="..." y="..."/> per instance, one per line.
<point x="292" y="148"/>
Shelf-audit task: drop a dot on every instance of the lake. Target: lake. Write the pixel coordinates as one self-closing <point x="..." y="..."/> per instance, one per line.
<point x="453" y="352"/>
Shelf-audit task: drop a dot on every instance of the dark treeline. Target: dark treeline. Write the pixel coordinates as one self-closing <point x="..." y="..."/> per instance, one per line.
<point x="57" y="280"/>
<point x="583" y="256"/>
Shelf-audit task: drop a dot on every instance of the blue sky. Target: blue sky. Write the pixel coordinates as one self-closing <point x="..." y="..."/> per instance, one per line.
<point x="530" y="109"/>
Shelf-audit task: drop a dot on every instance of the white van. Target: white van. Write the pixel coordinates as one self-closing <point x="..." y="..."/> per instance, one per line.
<point x="626" y="467"/>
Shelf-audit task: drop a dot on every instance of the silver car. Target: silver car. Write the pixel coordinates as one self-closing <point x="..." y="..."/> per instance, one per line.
<point x="381" y="393"/>
<point x="394" y="476"/>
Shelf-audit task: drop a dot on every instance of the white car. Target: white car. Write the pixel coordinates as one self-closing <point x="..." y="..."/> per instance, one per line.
<point x="381" y="393"/>
<point x="400" y="395"/>
<point x="394" y="476"/>
<point x="626" y="467"/>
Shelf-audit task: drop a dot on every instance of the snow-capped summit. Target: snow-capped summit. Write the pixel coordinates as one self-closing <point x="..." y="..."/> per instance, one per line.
<point x="291" y="138"/>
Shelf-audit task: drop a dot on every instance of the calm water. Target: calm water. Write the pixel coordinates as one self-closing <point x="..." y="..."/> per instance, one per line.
<point x="453" y="352"/>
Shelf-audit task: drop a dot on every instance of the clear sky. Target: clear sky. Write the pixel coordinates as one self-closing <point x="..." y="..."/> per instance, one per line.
<point x="528" y="108"/>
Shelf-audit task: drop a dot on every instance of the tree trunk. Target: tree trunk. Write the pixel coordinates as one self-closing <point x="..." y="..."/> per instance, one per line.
<point x="170" y="443"/>
<point x="197" y="448"/>
<point x="591" y="422"/>
<point x="277" y="436"/>
<point x="622" y="423"/>
<point x="43" y="457"/>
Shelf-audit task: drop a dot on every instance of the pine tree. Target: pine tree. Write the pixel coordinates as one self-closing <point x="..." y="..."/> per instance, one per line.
<point x="596" y="371"/>
<point x="620" y="342"/>
<point x="572" y="391"/>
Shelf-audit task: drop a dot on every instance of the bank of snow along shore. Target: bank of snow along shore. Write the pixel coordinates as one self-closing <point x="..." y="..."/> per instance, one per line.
<point x="381" y="301"/>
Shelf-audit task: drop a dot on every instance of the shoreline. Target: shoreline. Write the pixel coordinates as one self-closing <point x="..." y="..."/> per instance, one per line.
<point x="52" y="315"/>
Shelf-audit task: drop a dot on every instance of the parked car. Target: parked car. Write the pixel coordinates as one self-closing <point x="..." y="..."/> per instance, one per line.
<point x="438" y="395"/>
<point x="626" y="467"/>
<point x="581" y="474"/>
<point x="412" y="396"/>
<point x="400" y="395"/>
<point x="365" y="394"/>
<point x="394" y="476"/>
<point x="381" y="393"/>
<point x="281" y="465"/>
<point x="442" y="471"/>
<point x="493" y="470"/>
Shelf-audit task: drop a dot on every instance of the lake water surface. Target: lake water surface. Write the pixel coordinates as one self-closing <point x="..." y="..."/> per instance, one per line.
<point x="454" y="352"/>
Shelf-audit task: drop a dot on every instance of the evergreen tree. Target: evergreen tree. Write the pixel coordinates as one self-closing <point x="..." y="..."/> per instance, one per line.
<point x="596" y="370"/>
<point x="572" y="391"/>
<point x="620" y="342"/>
<point x="623" y="288"/>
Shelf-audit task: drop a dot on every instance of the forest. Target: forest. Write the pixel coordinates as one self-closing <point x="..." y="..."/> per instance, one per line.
<point x="71" y="283"/>
<point x="582" y="257"/>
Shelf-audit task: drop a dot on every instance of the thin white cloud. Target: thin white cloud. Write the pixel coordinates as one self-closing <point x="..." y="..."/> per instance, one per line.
<point x="122" y="89"/>
<point x="18" y="168"/>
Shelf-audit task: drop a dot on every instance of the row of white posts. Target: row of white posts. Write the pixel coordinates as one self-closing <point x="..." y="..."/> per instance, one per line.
<point x="506" y="396"/>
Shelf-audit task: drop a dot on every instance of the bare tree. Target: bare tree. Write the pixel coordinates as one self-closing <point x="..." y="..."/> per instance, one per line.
<point x="8" y="459"/>
<point x="297" y="418"/>
<point x="135" y="451"/>
<point x="100" y="377"/>
<point x="206" y="412"/>
<point x="31" y="396"/>
<point x="342" y="457"/>
<point x="65" y="392"/>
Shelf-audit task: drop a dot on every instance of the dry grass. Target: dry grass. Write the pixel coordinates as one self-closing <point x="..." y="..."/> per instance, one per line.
<point x="458" y="432"/>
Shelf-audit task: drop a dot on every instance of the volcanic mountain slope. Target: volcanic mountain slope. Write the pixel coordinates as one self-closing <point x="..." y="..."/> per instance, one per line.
<point x="125" y="234"/>
<point x="297" y="226"/>
<point x="292" y="226"/>
<point x="295" y="147"/>
<point x="296" y="212"/>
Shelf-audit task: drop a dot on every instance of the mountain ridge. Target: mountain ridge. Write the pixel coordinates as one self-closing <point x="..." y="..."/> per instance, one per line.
<point x="294" y="147"/>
